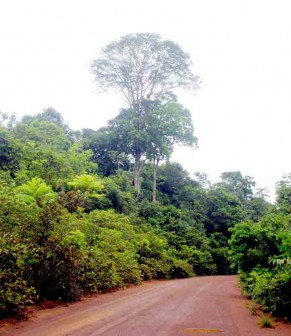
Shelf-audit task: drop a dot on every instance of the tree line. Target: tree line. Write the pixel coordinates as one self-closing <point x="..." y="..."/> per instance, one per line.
<point x="71" y="221"/>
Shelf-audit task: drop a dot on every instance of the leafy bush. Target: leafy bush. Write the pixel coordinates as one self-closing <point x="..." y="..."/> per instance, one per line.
<point x="99" y="271"/>
<point x="56" y="271"/>
<point x="15" y="291"/>
<point x="273" y="291"/>
<point x="152" y="268"/>
<point x="257" y="249"/>
<point x="181" y="269"/>
<point x="127" y="268"/>
<point x="152" y="255"/>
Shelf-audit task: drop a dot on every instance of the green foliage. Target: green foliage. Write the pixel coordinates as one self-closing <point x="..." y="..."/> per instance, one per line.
<point x="266" y="322"/>
<point x="36" y="191"/>
<point x="14" y="214"/>
<point x="257" y="208"/>
<point x="76" y="238"/>
<point x="186" y="239"/>
<point x="172" y="181"/>
<point x="9" y="151"/>
<point x="87" y="183"/>
<point x="119" y="195"/>
<point x="144" y="68"/>
<point x="201" y="260"/>
<point x="56" y="271"/>
<point x="66" y="231"/>
<point x="252" y="243"/>
<point x="223" y="210"/>
<point x="272" y="290"/>
<point x="181" y="269"/>
<point x="79" y="160"/>
<point x="254" y="248"/>
<point x="141" y="66"/>
<point x="74" y="201"/>
<point x="239" y="186"/>
<point x="152" y="256"/>
<point x="15" y="292"/>
<point x="167" y="124"/>
<point x="43" y="146"/>
<point x="105" y="149"/>
<point x="284" y="194"/>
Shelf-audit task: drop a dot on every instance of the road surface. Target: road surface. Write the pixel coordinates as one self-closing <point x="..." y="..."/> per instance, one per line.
<point x="199" y="306"/>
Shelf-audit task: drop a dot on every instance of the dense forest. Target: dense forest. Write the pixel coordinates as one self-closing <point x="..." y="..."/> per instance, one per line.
<point x="91" y="210"/>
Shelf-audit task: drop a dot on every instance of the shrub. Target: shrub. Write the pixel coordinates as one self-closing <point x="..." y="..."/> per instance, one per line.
<point x="56" y="271"/>
<point x="181" y="269"/>
<point x="15" y="292"/>
<point x="99" y="271"/>
<point x="152" y="268"/>
<point x="127" y="268"/>
<point x="272" y="290"/>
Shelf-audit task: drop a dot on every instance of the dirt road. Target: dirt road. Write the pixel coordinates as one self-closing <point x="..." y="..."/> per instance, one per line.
<point x="199" y="306"/>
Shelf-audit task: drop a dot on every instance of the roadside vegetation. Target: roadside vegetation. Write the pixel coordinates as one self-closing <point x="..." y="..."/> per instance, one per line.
<point x="261" y="251"/>
<point x="91" y="210"/>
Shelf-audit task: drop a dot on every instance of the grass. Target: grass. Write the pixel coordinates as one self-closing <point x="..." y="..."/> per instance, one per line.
<point x="253" y="308"/>
<point x="266" y="322"/>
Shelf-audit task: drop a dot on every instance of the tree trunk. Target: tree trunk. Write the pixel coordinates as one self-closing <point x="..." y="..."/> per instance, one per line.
<point x="155" y="171"/>
<point x="137" y="170"/>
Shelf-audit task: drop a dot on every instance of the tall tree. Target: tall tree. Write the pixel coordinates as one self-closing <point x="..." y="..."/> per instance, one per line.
<point x="105" y="144"/>
<point x="168" y="124"/>
<point x="283" y="192"/>
<point x="223" y="211"/>
<point x="127" y="137"/>
<point x="143" y="67"/>
<point x="238" y="185"/>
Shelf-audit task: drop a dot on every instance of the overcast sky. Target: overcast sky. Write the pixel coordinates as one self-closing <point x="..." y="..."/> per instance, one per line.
<point x="241" y="49"/>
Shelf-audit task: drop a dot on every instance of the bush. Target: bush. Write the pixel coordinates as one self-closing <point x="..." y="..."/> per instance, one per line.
<point x="15" y="291"/>
<point x="152" y="255"/>
<point x="181" y="269"/>
<point x="56" y="271"/>
<point x="152" y="268"/>
<point x="104" y="271"/>
<point x="270" y="289"/>
<point x="261" y="252"/>
<point x="273" y="292"/>
<point x="99" y="271"/>
<point x="127" y="268"/>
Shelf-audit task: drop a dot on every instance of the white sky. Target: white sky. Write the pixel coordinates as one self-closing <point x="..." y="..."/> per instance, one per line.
<point x="241" y="49"/>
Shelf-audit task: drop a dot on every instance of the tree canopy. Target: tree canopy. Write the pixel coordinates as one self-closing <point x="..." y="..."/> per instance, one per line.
<point x="143" y="66"/>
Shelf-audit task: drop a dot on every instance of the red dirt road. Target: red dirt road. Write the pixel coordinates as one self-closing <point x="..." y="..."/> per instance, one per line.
<point x="198" y="306"/>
